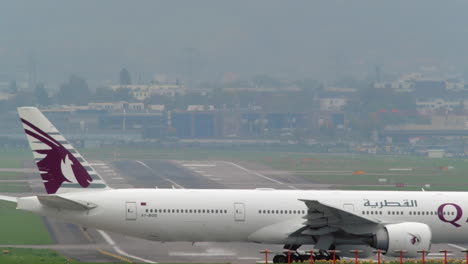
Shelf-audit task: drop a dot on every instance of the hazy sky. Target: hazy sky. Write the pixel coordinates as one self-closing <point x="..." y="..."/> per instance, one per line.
<point x="288" y="39"/>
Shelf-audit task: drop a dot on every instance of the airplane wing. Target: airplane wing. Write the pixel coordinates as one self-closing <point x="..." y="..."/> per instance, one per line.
<point x="324" y="219"/>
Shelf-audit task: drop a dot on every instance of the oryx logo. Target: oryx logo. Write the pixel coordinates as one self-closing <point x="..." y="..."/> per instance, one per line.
<point x="415" y="239"/>
<point x="450" y="218"/>
<point x="58" y="165"/>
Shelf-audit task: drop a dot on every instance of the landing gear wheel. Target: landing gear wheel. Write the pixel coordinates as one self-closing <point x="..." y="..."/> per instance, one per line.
<point x="280" y="259"/>
<point x="295" y="258"/>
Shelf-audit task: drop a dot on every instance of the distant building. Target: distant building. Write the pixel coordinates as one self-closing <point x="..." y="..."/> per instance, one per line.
<point x="200" y="107"/>
<point x="332" y="104"/>
<point x="432" y="105"/>
<point x="419" y="83"/>
<point x="6" y="96"/>
<point x="145" y="91"/>
<point x="117" y="106"/>
<point x="263" y="89"/>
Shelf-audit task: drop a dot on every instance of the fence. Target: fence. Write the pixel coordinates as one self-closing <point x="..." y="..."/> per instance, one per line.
<point x="291" y="257"/>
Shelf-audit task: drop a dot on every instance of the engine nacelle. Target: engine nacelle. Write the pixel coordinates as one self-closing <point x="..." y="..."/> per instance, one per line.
<point x="407" y="237"/>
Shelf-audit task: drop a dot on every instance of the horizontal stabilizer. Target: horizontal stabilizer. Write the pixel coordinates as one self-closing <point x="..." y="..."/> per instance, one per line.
<point x="63" y="203"/>
<point x="8" y="198"/>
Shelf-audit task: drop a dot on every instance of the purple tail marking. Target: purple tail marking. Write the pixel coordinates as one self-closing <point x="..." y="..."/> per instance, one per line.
<point x="50" y="165"/>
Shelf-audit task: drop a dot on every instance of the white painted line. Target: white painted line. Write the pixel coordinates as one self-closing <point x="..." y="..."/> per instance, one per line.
<point x="199" y="165"/>
<point x="249" y="258"/>
<point x="198" y="171"/>
<point x="215" y="179"/>
<point x="439" y="254"/>
<point x="292" y="187"/>
<point x="207" y="175"/>
<point x="167" y="179"/>
<point x="201" y="254"/>
<point x="119" y="250"/>
<point x="97" y="164"/>
<point x="118" y="178"/>
<point x="254" y="173"/>
<point x="457" y="246"/>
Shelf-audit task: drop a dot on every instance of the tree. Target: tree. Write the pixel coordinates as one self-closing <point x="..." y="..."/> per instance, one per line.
<point x="24" y="98"/>
<point x="75" y="91"/>
<point x="41" y="94"/>
<point x="105" y="94"/>
<point x="13" y="87"/>
<point x="124" y="77"/>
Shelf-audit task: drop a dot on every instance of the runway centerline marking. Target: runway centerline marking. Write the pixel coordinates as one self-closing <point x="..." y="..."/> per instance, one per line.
<point x="457" y="246"/>
<point x="252" y="172"/>
<point x="199" y="165"/>
<point x="117" y="249"/>
<point x="167" y="179"/>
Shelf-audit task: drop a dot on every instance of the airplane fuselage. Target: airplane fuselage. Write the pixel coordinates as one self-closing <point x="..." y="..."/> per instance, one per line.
<point x="263" y="216"/>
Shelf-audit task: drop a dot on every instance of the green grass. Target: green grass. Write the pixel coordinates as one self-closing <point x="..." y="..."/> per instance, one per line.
<point x="21" y="228"/>
<point x="10" y="175"/>
<point x="31" y="256"/>
<point x="14" y="158"/>
<point x="13" y="187"/>
<point x="37" y="256"/>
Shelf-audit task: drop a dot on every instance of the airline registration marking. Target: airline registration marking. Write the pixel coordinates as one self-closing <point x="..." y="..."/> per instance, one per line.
<point x="149" y="215"/>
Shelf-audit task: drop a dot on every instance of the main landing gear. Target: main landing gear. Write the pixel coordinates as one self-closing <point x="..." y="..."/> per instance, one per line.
<point x="298" y="257"/>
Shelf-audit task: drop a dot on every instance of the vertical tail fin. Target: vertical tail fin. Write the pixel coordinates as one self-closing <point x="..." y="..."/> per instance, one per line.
<point x="61" y="167"/>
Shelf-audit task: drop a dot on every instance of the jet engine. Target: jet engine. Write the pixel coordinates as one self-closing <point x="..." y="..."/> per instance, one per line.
<point x="408" y="237"/>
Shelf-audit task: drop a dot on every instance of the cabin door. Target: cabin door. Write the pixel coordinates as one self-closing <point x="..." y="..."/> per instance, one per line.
<point x="130" y="211"/>
<point x="239" y="212"/>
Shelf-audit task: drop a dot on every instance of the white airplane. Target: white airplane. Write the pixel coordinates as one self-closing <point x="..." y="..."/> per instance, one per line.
<point x="391" y="221"/>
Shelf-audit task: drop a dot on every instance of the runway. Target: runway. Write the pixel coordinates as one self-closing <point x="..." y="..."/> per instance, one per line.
<point x="89" y="245"/>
